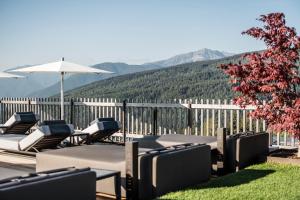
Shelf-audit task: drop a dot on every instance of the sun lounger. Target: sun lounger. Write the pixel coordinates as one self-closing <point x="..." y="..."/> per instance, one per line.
<point x="156" y="171"/>
<point x="101" y="128"/>
<point x="19" y="123"/>
<point x="46" y="136"/>
<point x="62" y="184"/>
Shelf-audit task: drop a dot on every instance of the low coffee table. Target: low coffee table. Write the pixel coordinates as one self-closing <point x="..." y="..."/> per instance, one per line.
<point x="104" y="173"/>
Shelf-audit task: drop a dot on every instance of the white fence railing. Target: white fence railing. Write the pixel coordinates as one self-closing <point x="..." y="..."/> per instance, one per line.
<point x="188" y="116"/>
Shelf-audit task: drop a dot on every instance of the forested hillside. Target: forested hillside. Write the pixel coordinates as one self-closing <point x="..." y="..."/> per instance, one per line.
<point x="192" y="80"/>
<point x="77" y="80"/>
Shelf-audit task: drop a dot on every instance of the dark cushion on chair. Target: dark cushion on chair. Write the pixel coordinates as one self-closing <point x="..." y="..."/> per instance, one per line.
<point x="252" y="149"/>
<point x="60" y="129"/>
<point x="53" y="122"/>
<point x="243" y="149"/>
<point x="58" y="185"/>
<point x="27" y="117"/>
<point x="102" y="128"/>
<point x="179" y="169"/>
<point x="110" y="125"/>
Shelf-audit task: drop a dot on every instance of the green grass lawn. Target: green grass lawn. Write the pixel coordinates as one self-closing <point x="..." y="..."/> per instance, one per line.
<point x="263" y="181"/>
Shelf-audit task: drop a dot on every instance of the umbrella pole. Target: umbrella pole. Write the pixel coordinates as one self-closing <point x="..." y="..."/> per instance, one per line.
<point x="62" y="96"/>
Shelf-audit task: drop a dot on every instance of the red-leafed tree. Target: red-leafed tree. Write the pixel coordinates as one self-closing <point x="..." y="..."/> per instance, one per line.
<point x="271" y="75"/>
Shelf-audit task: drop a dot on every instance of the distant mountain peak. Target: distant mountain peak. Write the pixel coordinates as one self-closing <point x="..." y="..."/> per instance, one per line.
<point x="199" y="55"/>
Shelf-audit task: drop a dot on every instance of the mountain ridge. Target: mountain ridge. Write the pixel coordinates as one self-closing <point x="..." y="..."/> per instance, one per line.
<point x="202" y="79"/>
<point x="74" y="80"/>
<point x="193" y="56"/>
<point x="48" y="84"/>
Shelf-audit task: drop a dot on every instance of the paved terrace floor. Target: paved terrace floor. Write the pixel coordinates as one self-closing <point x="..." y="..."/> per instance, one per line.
<point x="17" y="165"/>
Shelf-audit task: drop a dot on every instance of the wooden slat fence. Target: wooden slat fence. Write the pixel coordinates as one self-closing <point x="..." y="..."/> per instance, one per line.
<point x="177" y="116"/>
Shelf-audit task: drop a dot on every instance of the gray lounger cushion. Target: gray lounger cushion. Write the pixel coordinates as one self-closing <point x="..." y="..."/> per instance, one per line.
<point x="20" y="123"/>
<point x="62" y="185"/>
<point x="53" y="122"/>
<point x="154" y="142"/>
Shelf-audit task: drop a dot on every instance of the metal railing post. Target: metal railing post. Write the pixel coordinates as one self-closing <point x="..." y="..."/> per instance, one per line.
<point x="124" y="120"/>
<point x="189" y="118"/>
<point x="71" y="111"/>
<point x="154" y="122"/>
<point x="29" y="105"/>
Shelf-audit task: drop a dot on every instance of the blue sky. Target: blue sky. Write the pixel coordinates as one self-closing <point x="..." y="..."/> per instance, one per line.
<point x="95" y="31"/>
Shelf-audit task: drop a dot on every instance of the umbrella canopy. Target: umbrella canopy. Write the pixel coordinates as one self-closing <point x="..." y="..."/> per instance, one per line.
<point x="61" y="67"/>
<point x="8" y="75"/>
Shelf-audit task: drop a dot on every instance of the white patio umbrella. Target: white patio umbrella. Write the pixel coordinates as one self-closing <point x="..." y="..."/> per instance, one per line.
<point x="9" y="75"/>
<point x="61" y="67"/>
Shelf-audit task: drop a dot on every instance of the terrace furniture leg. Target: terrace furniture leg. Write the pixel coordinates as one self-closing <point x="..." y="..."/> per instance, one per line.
<point x="131" y="156"/>
<point x="118" y="186"/>
<point x="221" y="146"/>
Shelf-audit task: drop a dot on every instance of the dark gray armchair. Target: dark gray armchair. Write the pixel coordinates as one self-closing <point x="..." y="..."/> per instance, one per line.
<point x="244" y="149"/>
